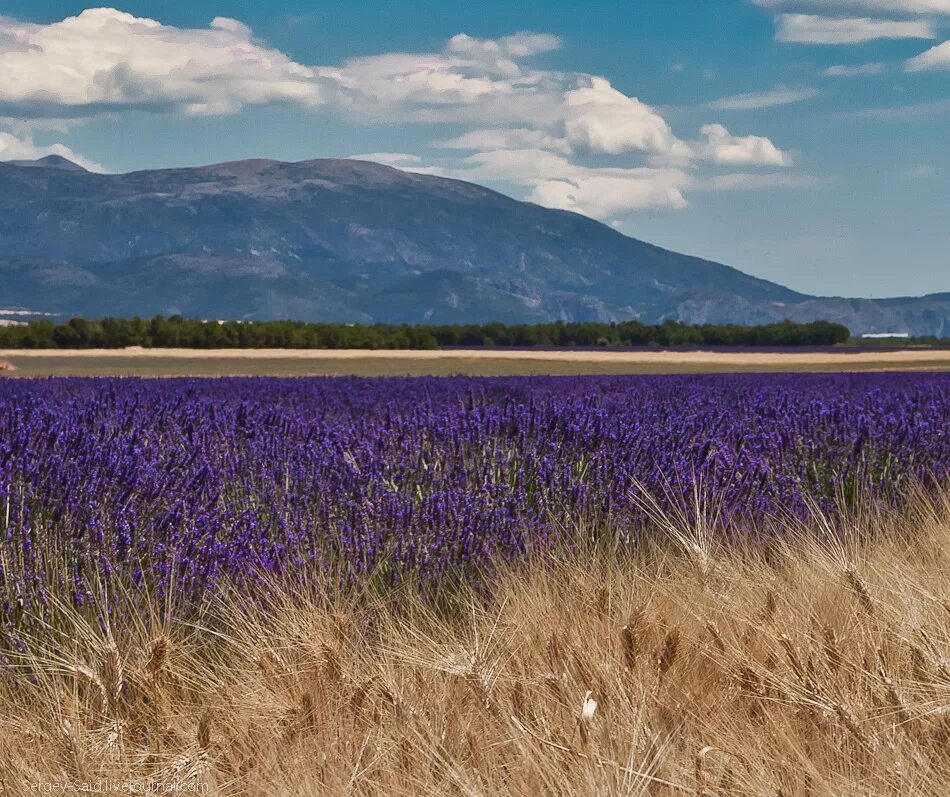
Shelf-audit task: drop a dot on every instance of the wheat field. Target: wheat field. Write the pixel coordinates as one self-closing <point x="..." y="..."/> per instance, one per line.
<point x="476" y="362"/>
<point x="684" y="665"/>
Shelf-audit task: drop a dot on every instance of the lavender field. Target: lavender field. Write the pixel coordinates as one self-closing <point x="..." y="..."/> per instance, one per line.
<point x="138" y="483"/>
<point x="475" y="586"/>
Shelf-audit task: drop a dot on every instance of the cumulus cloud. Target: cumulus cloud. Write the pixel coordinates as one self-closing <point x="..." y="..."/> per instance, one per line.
<point x="606" y="193"/>
<point x="600" y="119"/>
<point x="540" y="163"/>
<point x="528" y="167"/>
<point x="604" y="196"/>
<point x="935" y="58"/>
<point x="764" y="99"/>
<point x="812" y="29"/>
<point x="104" y="59"/>
<point x="22" y="148"/>
<point x="557" y="182"/>
<point x="724" y="148"/>
<point x="443" y="87"/>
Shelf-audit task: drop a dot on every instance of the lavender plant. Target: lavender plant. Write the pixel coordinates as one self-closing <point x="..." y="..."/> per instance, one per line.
<point x="179" y="484"/>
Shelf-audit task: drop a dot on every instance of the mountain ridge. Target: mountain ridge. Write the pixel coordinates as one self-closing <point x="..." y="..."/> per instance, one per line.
<point x="356" y="241"/>
<point x="49" y="162"/>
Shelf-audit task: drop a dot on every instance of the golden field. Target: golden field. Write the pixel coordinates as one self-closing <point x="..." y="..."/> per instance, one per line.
<point x="360" y="362"/>
<point x="817" y="665"/>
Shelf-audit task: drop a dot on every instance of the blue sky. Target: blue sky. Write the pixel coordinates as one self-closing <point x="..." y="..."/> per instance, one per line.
<point x="804" y="141"/>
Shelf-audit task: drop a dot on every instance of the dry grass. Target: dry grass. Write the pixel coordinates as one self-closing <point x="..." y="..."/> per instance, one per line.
<point x="475" y="362"/>
<point x="818" y="666"/>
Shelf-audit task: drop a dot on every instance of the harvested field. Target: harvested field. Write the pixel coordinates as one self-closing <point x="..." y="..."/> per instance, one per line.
<point x="818" y="667"/>
<point x="474" y="362"/>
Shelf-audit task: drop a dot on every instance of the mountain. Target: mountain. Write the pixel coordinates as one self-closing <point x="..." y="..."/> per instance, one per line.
<point x="50" y="162"/>
<point x="345" y="240"/>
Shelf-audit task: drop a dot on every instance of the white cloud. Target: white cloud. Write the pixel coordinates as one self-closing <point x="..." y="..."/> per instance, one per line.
<point x="604" y="196"/>
<point x="721" y="147"/>
<point x="811" y="29"/>
<point x="764" y="99"/>
<point x="606" y="193"/>
<point x="854" y="70"/>
<point x="935" y="58"/>
<point x="600" y="119"/>
<point x="887" y="6"/>
<point x="518" y="45"/>
<point x="16" y="148"/>
<point x="557" y="182"/>
<point x="523" y="166"/>
<point x="445" y="87"/>
<point x="105" y="59"/>
<point x="229" y="25"/>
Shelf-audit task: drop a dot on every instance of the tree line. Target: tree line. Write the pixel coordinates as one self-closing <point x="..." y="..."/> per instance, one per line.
<point x="179" y="332"/>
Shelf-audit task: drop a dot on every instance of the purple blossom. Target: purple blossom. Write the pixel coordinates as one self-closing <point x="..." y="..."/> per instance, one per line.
<point x="186" y="482"/>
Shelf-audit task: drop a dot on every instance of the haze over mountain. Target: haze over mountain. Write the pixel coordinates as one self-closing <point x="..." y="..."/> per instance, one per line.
<point x="346" y="240"/>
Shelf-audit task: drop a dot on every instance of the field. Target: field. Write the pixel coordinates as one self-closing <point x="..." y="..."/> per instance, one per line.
<point x="474" y="362"/>
<point x="700" y="584"/>
<point x="817" y="666"/>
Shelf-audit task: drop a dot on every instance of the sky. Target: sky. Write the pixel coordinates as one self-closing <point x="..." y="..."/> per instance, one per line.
<point x="803" y="141"/>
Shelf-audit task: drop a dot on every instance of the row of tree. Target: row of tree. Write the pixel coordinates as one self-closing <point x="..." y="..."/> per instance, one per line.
<point x="178" y="332"/>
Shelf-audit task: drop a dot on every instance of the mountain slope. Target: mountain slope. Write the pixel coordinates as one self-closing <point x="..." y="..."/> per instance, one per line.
<point x="50" y="162"/>
<point x="346" y="240"/>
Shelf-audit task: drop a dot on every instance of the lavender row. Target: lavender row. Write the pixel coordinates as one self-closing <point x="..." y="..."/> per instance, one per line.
<point x="147" y="483"/>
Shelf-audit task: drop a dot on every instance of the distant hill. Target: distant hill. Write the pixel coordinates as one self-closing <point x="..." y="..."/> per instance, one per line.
<point x="50" y="162"/>
<point x="345" y="240"/>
